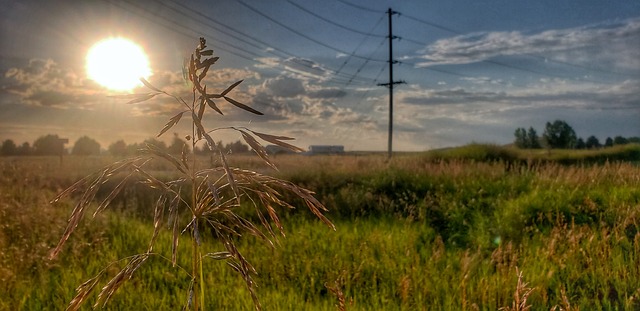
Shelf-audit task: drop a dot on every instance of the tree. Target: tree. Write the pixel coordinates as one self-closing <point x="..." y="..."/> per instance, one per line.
<point x="24" y="150"/>
<point x="118" y="149"/>
<point x="521" y="138"/>
<point x="559" y="134"/>
<point x="236" y="147"/>
<point x="134" y="148"/>
<point x="49" y="145"/>
<point x="152" y="141"/>
<point x="533" y="141"/>
<point x="580" y="144"/>
<point x="619" y="140"/>
<point x="608" y="142"/>
<point x="85" y="146"/>
<point x="9" y="148"/>
<point x="202" y="151"/>
<point x="593" y="142"/>
<point x="526" y="139"/>
<point x="176" y="145"/>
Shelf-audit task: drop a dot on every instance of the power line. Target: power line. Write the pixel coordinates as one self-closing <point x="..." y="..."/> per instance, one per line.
<point x="365" y="34"/>
<point x="334" y="23"/>
<point x="352" y="54"/>
<point x="351" y="29"/>
<point x="434" y="25"/>
<point x="364" y="64"/>
<point x="350" y="78"/>
<point x="168" y="23"/>
<point x="300" y="33"/>
<point x="359" y="7"/>
<point x="359" y="45"/>
<point x="267" y="47"/>
<point x="172" y="28"/>
<point x="236" y="37"/>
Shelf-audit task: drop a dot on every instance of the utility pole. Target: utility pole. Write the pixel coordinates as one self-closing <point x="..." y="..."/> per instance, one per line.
<point x="390" y="84"/>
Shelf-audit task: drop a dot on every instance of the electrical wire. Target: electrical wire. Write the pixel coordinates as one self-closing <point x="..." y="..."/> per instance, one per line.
<point x="154" y="20"/>
<point x="334" y="23"/>
<point x="253" y="9"/>
<point x="265" y="46"/>
<point x="359" y="45"/>
<point x="359" y="7"/>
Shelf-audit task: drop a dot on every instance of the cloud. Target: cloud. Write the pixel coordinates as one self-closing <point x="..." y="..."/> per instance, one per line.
<point x="48" y="84"/>
<point x="300" y="68"/>
<point x="306" y="67"/>
<point x="267" y="62"/>
<point x="327" y="93"/>
<point x="45" y="83"/>
<point x="477" y="47"/>
<point x="329" y="112"/>
<point x="482" y="80"/>
<point x="274" y="109"/>
<point x="545" y="94"/>
<point x="284" y="86"/>
<point x="450" y="96"/>
<point x="287" y="96"/>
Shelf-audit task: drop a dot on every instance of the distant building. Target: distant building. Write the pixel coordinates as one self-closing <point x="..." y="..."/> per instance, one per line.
<point x="325" y="149"/>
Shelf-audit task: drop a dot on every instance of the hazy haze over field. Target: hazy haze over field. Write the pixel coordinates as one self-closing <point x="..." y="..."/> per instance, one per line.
<point x="475" y="70"/>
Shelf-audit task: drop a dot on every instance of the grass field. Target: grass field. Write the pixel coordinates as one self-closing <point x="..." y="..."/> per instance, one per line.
<point x="421" y="232"/>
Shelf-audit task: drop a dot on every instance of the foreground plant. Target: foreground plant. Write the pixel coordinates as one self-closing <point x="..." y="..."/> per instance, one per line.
<point x="202" y="201"/>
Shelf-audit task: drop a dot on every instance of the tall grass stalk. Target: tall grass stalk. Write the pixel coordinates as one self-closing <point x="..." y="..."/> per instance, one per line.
<point x="208" y="203"/>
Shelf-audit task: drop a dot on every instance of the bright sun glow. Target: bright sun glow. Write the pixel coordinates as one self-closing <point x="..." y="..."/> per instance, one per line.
<point x="117" y="64"/>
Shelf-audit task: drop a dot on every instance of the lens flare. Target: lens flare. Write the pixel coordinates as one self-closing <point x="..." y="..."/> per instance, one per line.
<point x="117" y="64"/>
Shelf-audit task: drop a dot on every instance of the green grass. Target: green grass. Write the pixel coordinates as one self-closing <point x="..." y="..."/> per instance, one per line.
<point x="489" y="152"/>
<point x="411" y="235"/>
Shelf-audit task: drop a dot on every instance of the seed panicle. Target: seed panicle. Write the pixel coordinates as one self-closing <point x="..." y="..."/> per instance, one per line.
<point x="209" y="196"/>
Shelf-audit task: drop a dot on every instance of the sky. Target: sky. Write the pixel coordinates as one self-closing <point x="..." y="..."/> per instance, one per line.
<point x="473" y="71"/>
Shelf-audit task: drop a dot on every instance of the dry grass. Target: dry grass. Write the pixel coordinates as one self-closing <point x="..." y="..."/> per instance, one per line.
<point x="565" y="305"/>
<point x="520" y="295"/>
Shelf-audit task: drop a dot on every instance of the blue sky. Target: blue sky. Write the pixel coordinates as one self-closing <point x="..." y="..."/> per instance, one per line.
<point x="474" y="70"/>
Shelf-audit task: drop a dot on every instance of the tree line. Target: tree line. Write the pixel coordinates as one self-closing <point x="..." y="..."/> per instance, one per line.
<point x="52" y="144"/>
<point x="560" y="135"/>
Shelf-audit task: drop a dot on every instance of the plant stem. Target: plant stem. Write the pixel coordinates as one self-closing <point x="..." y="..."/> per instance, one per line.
<point x="197" y="257"/>
<point x="196" y="275"/>
<point x="201" y="280"/>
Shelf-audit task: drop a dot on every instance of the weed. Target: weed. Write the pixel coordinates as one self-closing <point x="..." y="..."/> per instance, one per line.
<point x="520" y="295"/>
<point x="200" y="201"/>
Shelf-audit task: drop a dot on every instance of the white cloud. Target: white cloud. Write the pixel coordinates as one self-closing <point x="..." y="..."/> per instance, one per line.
<point x="613" y="38"/>
<point x="46" y="83"/>
<point x="267" y="62"/>
<point x="306" y="68"/>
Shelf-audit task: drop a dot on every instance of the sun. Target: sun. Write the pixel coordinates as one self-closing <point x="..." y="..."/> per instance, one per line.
<point x="117" y="64"/>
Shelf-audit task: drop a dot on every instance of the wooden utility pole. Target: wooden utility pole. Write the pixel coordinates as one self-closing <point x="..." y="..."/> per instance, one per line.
<point x="390" y="84"/>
